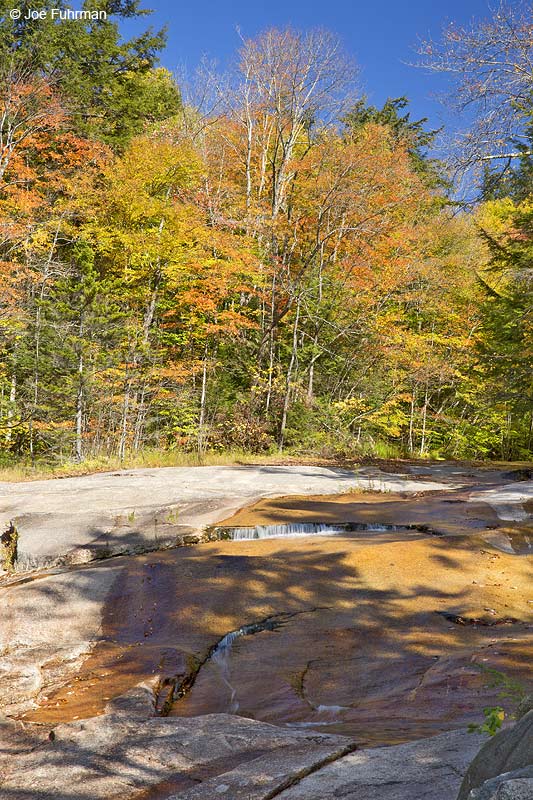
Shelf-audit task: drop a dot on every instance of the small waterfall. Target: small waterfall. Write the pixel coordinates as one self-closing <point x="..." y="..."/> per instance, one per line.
<point x="221" y="657"/>
<point x="295" y="529"/>
<point x="310" y="724"/>
<point x="221" y="653"/>
<point x="332" y="709"/>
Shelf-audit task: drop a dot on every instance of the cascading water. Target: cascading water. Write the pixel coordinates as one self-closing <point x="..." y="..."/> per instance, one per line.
<point x="221" y="657"/>
<point x="296" y="529"/>
<point x="221" y="653"/>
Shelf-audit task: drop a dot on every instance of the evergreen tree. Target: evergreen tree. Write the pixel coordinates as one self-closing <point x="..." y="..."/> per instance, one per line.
<point x="110" y="87"/>
<point x="403" y="129"/>
<point x="506" y="341"/>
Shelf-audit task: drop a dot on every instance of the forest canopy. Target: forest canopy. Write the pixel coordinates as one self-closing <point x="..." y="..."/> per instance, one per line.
<point x="261" y="262"/>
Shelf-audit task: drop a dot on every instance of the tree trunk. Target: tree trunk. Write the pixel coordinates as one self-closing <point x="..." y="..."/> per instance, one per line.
<point x="124" y="426"/>
<point x="411" y="443"/>
<point x="12" y="400"/>
<point x="290" y="369"/>
<point x="271" y="347"/>
<point x="203" y="396"/>
<point x="310" y="387"/>
<point x="424" y="420"/>
<point x="79" y="412"/>
<point x="139" y="420"/>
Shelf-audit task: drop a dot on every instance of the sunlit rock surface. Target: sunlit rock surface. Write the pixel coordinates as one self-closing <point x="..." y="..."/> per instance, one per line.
<point x="429" y="769"/>
<point x="308" y="645"/>
<point x="79" y="519"/>
<point x="123" y="754"/>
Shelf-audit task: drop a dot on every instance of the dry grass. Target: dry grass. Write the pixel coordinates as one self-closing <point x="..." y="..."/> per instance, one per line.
<point x="22" y="471"/>
<point x="150" y="458"/>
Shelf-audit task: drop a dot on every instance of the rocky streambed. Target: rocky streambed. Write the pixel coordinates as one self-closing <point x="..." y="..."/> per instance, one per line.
<point x="360" y="622"/>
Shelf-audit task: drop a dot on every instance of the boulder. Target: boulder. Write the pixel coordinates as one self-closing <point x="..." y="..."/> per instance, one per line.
<point x="131" y="753"/>
<point x="127" y="751"/>
<point x="47" y="629"/>
<point x="508" y="751"/>
<point x="517" y="785"/>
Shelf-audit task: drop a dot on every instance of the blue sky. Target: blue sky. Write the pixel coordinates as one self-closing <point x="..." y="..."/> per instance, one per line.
<point x="380" y="34"/>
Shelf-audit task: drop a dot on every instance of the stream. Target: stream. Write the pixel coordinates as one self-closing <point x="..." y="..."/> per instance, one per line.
<point x="369" y="616"/>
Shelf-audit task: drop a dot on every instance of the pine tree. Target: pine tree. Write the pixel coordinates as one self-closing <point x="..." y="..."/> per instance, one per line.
<point x="110" y="88"/>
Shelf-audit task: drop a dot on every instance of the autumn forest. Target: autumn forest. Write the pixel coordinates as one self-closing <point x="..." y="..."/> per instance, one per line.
<point x="260" y="261"/>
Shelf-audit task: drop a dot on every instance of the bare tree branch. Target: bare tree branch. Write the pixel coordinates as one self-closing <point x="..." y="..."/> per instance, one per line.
<point x="490" y="65"/>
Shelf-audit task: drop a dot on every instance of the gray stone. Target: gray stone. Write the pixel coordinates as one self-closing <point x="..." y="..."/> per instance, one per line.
<point x="47" y="629"/>
<point x="517" y="785"/>
<point x="507" y="501"/>
<point x="128" y="751"/>
<point x="265" y="776"/>
<point x="525" y="705"/>
<point x="121" y="754"/>
<point x="509" y="750"/>
<point x="428" y="769"/>
<point x="192" y="538"/>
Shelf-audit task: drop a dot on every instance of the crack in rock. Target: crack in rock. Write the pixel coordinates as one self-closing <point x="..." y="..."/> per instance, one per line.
<point x="297" y="777"/>
<point x="173" y="688"/>
<point x="299" y="684"/>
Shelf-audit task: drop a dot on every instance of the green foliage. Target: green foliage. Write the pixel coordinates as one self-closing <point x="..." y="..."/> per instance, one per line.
<point x="110" y="87"/>
<point x="505" y="340"/>
<point x="510" y="689"/>
<point x="494" y="717"/>
<point x="200" y="288"/>
<point x="404" y="131"/>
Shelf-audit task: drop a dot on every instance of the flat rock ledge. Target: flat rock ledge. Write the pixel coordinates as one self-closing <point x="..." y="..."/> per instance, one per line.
<point x="65" y="521"/>
<point x="128" y="752"/>
<point x="428" y="769"/>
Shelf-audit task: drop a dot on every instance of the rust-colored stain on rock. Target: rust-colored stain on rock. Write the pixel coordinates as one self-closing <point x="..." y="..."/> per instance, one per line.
<point x="367" y="647"/>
